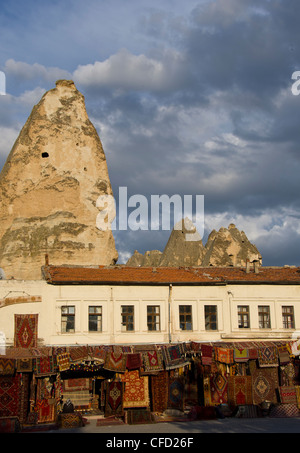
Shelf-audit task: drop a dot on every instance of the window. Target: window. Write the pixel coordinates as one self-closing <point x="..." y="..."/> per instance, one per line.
<point x="264" y="320"/>
<point x="288" y="317"/>
<point x="127" y="313"/>
<point x="243" y="317"/>
<point x="211" y="317"/>
<point x="68" y="319"/>
<point x="185" y="317"/>
<point x="153" y="317"/>
<point x="95" y="319"/>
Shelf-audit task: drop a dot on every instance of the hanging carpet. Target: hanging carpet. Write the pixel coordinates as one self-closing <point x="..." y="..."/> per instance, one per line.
<point x="26" y="327"/>
<point x="136" y="392"/>
<point x="77" y="384"/>
<point x="14" y="395"/>
<point x="153" y="361"/>
<point x="173" y="357"/>
<point x="7" y="367"/>
<point x="45" y="366"/>
<point x="78" y="353"/>
<point x="264" y="385"/>
<point x="206" y="354"/>
<point x="239" y="390"/>
<point x="219" y="389"/>
<point x="288" y="394"/>
<point x="114" y="399"/>
<point x="115" y="361"/>
<point x="134" y="361"/>
<point x="63" y="361"/>
<point x="268" y="356"/>
<point x="224" y="355"/>
<point x="176" y="394"/>
<point x="159" y="391"/>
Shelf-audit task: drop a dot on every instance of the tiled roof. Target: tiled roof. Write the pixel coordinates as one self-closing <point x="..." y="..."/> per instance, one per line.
<point x="168" y="275"/>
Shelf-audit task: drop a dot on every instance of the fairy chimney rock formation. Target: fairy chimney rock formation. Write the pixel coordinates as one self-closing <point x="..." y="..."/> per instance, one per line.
<point x="184" y="247"/>
<point x="229" y="247"/>
<point x="49" y="186"/>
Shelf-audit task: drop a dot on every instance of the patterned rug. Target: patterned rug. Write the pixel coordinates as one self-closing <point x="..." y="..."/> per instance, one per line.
<point x="136" y="392"/>
<point x="176" y="394"/>
<point x="7" y="367"/>
<point x="159" y="392"/>
<point x="26" y="329"/>
<point x="268" y="356"/>
<point x="24" y="365"/>
<point x="77" y="384"/>
<point x="283" y="353"/>
<point x="73" y="420"/>
<point x="14" y="396"/>
<point x="115" y="361"/>
<point x="218" y="389"/>
<point x="239" y="390"/>
<point x="114" y="399"/>
<point x="224" y="355"/>
<point x="206" y="354"/>
<point x="173" y="357"/>
<point x="45" y="366"/>
<point x="63" y="361"/>
<point x="134" y="361"/>
<point x="46" y="409"/>
<point x="241" y="355"/>
<point x="138" y="417"/>
<point x="78" y="353"/>
<point x="264" y="385"/>
<point x="153" y="361"/>
<point x="287" y="374"/>
<point x="284" y="411"/>
<point x="288" y="394"/>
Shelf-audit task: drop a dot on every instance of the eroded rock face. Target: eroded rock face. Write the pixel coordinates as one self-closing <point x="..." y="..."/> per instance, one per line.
<point x="151" y="258"/>
<point x="49" y="186"/>
<point x="226" y="247"/>
<point x="184" y="247"/>
<point x="229" y="247"/>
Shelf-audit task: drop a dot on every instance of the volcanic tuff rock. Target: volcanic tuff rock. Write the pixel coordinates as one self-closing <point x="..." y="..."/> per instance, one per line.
<point x="227" y="247"/>
<point x="49" y="186"/>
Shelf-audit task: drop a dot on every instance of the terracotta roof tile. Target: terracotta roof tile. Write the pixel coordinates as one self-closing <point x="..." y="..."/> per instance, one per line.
<point x="168" y="275"/>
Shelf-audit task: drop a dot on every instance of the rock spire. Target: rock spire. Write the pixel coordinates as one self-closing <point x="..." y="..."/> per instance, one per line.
<point x="49" y="186"/>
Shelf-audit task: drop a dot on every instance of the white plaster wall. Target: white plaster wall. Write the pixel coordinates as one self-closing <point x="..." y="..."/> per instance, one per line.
<point x="111" y="298"/>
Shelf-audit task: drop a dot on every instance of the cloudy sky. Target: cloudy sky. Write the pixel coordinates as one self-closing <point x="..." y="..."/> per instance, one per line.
<point x="188" y="97"/>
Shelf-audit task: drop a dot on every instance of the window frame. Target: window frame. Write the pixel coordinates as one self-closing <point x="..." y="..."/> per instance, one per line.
<point x="243" y="312"/>
<point x="98" y="316"/>
<point x="264" y="316"/>
<point x="208" y="315"/>
<point x="185" y="312"/>
<point x="288" y="324"/>
<point x="153" y="315"/>
<point x="125" y="315"/>
<point x="70" y="318"/>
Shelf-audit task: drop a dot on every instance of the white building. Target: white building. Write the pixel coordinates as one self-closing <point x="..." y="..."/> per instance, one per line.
<point x="126" y="305"/>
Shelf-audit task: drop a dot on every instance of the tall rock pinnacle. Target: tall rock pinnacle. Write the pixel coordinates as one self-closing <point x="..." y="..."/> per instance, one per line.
<point x="49" y="186"/>
<point x="180" y="251"/>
